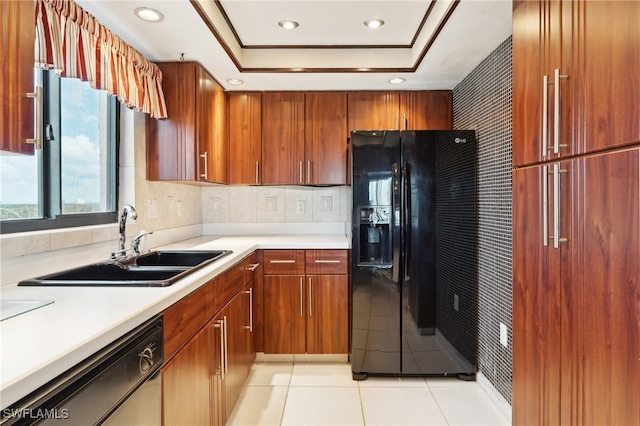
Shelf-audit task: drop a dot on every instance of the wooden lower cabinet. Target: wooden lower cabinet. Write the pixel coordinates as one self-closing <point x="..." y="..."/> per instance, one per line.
<point x="306" y="312"/>
<point x="187" y="381"/>
<point x="202" y="382"/>
<point x="576" y="320"/>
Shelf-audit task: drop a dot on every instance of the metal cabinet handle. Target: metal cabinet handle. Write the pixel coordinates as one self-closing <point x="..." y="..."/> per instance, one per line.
<point x="226" y="353"/>
<point x="308" y="171"/>
<point x="205" y="175"/>
<point x="545" y="205"/>
<point x="250" y="326"/>
<point x="310" y="298"/>
<point x="327" y="261"/>
<point x="556" y="112"/>
<point x="545" y="117"/>
<point x="282" y="261"/>
<point x="301" y="299"/>
<point x="252" y="267"/>
<point x="39" y="126"/>
<point x="301" y="181"/>
<point x="220" y="324"/>
<point x="257" y="172"/>
<point x="556" y="206"/>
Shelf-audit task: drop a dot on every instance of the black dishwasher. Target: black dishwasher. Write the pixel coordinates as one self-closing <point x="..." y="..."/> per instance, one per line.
<point x="118" y="385"/>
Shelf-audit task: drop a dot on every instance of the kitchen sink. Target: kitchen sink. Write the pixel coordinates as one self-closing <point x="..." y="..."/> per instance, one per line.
<point x="179" y="258"/>
<point x="155" y="269"/>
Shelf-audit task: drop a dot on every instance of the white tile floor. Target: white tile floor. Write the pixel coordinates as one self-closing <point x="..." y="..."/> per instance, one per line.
<point x="325" y="394"/>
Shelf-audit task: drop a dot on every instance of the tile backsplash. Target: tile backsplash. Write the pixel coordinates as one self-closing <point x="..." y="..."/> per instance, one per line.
<point x="276" y="204"/>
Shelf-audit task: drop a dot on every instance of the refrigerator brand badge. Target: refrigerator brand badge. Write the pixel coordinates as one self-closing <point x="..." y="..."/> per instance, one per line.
<point x="460" y="140"/>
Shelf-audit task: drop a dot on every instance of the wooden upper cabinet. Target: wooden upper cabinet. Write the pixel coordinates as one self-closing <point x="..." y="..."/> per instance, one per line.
<point x="609" y="79"/>
<point x="283" y="138"/>
<point x="326" y="137"/>
<point x="194" y="131"/>
<point x="426" y="110"/>
<point x="374" y="111"/>
<point x="17" y="37"/>
<point x="245" y="137"/>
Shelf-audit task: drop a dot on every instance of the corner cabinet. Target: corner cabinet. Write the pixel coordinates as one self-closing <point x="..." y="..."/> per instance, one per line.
<point x="306" y="301"/>
<point x="576" y="213"/>
<point x="17" y="37"/>
<point x="191" y="145"/>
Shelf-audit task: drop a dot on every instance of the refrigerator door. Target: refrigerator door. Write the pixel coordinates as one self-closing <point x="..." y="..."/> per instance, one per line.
<point x="435" y="169"/>
<point x="376" y="273"/>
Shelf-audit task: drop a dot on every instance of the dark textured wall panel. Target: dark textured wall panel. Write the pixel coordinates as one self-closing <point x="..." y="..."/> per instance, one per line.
<point x="482" y="101"/>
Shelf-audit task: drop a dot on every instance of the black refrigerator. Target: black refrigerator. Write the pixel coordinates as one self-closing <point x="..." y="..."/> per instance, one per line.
<point x="413" y="305"/>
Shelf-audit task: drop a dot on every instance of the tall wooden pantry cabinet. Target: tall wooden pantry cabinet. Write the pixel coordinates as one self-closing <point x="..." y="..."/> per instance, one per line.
<point x="576" y="209"/>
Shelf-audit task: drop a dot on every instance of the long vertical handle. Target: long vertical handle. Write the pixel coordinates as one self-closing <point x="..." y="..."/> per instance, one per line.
<point x="301" y="181"/>
<point x="301" y="298"/>
<point x="226" y="351"/>
<point x="545" y="117"/>
<point x="405" y="121"/>
<point x="39" y="125"/>
<point x="395" y="192"/>
<point x="407" y="216"/>
<point x="205" y="175"/>
<point x="310" y="298"/>
<point x="556" y="206"/>
<point x="250" y="326"/>
<point x="556" y="112"/>
<point x="257" y="172"/>
<point x="219" y="324"/>
<point x="308" y="171"/>
<point x="545" y="206"/>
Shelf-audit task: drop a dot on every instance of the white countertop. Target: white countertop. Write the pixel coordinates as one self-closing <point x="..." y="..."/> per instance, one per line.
<point x="39" y="345"/>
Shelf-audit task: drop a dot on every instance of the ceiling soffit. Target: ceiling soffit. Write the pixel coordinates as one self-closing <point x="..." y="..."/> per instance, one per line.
<point x="254" y="43"/>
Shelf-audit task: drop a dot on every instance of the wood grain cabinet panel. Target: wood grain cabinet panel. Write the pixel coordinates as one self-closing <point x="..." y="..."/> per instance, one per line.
<point x="374" y="111"/>
<point x="17" y="37"/>
<point x="191" y="145"/>
<point x="284" y="314"/>
<point x="245" y="138"/>
<point x="282" y="138"/>
<point x="426" y="110"/>
<point x="327" y="314"/>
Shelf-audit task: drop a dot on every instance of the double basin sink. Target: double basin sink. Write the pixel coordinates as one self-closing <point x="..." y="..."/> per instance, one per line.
<point x="155" y="269"/>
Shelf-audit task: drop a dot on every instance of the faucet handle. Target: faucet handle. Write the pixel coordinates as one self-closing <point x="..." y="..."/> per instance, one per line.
<point x="135" y="242"/>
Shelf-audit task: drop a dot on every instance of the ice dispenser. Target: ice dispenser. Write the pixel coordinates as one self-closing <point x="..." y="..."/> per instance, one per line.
<point x="374" y="236"/>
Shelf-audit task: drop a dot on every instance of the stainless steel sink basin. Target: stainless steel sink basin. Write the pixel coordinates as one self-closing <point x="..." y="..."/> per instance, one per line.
<point x="155" y="269"/>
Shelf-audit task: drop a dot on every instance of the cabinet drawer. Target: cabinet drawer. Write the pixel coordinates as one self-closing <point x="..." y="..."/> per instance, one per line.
<point x="251" y="266"/>
<point x="322" y="262"/>
<point x="284" y="262"/>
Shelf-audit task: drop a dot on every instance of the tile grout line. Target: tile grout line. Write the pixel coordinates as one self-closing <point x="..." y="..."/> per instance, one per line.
<point x="437" y="402"/>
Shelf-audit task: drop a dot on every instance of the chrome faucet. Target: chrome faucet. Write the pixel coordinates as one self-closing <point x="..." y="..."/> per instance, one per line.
<point x="135" y="242"/>
<point x="122" y="237"/>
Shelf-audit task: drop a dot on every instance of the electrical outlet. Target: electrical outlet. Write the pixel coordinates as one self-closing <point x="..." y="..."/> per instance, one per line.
<point x="179" y="208"/>
<point x="172" y="204"/>
<point x="456" y="302"/>
<point x="300" y="206"/>
<point x="503" y="335"/>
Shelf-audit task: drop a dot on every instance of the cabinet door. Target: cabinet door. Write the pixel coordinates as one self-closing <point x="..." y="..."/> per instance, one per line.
<point x="236" y="315"/>
<point x="374" y="111"/>
<point x="326" y="138"/>
<point x="17" y="36"/>
<point x="282" y="138"/>
<point x="284" y="314"/>
<point x="609" y="42"/>
<point x="171" y="142"/>
<point x="609" y="288"/>
<point x="327" y="314"/>
<point x="426" y="110"/>
<point x="212" y="141"/>
<point x="528" y="295"/>
<point x="245" y="137"/>
<point x="187" y="383"/>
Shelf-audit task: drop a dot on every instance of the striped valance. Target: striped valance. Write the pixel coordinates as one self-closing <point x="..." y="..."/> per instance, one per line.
<point x="71" y="40"/>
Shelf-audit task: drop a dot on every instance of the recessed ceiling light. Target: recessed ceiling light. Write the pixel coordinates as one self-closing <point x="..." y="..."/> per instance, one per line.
<point x="374" y="23"/>
<point x="148" y="14"/>
<point x="288" y="25"/>
<point x="396" y="80"/>
<point x="235" y="81"/>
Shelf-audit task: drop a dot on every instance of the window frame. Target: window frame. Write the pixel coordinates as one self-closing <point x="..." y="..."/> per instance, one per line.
<point x="49" y="179"/>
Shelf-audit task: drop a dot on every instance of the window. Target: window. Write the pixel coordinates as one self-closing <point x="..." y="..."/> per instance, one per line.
<point x="72" y="180"/>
